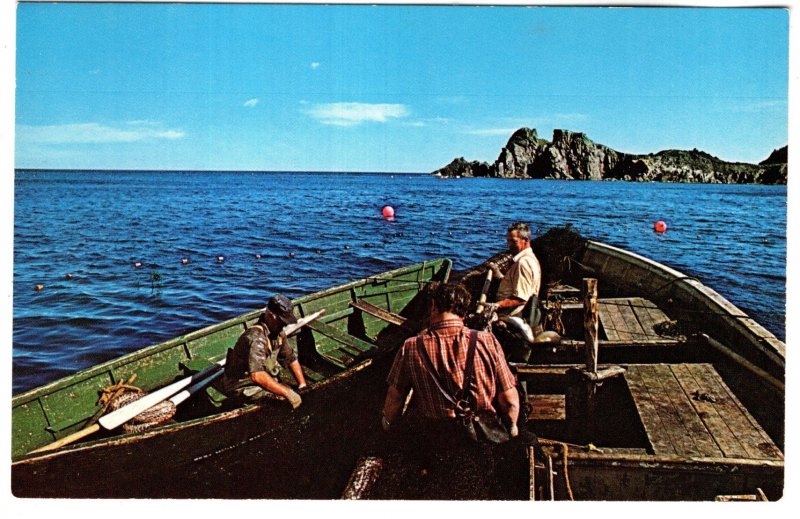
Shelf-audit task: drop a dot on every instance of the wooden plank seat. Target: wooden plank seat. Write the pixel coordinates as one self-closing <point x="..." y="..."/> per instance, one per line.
<point x="629" y="320"/>
<point x="340" y="348"/>
<point x="379" y="312"/>
<point x="688" y="410"/>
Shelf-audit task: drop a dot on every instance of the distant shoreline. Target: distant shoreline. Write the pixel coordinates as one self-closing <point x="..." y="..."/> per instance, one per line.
<point x="269" y="172"/>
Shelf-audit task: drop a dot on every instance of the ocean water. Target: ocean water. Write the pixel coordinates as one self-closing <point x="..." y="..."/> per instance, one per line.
<point x="80" y="235"/>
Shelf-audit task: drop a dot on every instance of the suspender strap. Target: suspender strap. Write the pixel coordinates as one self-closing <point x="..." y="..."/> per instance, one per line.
<point x="469" y="369"/>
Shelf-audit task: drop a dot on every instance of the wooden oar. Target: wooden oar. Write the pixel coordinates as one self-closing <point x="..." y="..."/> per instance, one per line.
<point x="484" y="291"/>
<point x="175" y="390"/>
<point x="124" y="414"/>
<point x="292" y="328"/>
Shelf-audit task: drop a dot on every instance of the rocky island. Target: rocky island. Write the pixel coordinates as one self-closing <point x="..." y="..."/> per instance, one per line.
<point x="571" y="155"/>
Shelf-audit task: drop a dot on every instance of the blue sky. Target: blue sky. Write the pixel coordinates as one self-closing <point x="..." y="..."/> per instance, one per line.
<point x="387" y="88"/>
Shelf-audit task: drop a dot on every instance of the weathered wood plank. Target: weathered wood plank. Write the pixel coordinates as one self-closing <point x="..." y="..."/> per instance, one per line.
<point x="660" y="342"/>
<point x="378" y="312"/>
<point x="657" y="315"/>
<point x="646" y="407"/>
<point x="647" y="314"/>
<point x="752" y="437"/>
<point x="632" y="324"/>
<point x="590" y="322"/>
<point x="673" y="427"/>
<point x="547" y="407"/>
<point x="695" y="427"/>
<point x="708" y="412"/>
<point x="612" y="321"/>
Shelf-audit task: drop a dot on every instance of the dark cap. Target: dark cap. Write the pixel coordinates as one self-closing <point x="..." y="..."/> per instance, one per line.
<point x="281" y="306"/>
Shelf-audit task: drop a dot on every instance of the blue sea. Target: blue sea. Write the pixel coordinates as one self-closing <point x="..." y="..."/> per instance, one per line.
<point x="248" y="235"/>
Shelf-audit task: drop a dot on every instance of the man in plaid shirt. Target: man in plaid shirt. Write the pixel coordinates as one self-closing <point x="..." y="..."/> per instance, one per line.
<point x="430" y="421"/>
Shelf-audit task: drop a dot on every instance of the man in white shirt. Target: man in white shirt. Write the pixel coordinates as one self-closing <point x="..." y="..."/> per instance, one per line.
<point x="519" y="284"/>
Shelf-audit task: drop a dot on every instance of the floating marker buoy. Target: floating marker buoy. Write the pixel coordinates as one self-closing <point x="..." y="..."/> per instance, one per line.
<point x="347" y="247"/>
<point x="660" y="226"/>
<point x="291" y="254"/>
<point x="258" y="256"/>
<point x="387" y="211"/>
<point x="185" y="261"/>
<point x="68" y="276"/>
<point x="39" y="288"/>
<point x="137" y="264"/>
<point x="220" y="258"/>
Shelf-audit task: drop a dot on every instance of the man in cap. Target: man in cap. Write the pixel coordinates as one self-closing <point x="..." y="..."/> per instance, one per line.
<point x="254" y="362"/>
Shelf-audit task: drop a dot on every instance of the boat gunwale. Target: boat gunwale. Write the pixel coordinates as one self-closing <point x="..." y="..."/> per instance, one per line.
<point x="740" y="322"/>
<point x="650" y="461"/>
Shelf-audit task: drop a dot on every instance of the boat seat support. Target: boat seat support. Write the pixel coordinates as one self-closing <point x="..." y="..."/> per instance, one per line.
<point x="378" y="312"/>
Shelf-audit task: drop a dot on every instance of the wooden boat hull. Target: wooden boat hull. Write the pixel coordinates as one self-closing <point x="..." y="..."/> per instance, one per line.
<point x="692" y="415"/>
<point x="256" y="452"/>
<point x="210" y="451"/>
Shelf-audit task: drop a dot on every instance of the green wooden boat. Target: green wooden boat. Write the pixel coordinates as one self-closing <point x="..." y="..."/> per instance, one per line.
<point x="211" y="448"/>
<point x="687" y="401"/>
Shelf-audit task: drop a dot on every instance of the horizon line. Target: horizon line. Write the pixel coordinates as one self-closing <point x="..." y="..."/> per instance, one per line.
<point x="267" y="171"/>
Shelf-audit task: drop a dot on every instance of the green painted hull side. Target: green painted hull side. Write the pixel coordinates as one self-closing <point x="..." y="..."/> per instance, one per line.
<point x="60" y="408"/>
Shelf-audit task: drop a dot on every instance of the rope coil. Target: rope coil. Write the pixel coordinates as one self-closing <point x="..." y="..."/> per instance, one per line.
<point x="119" y="395"/>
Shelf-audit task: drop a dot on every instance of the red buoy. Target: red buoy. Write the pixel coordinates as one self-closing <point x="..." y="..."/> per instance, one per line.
<point x="388" y="211"/>
<point x="660" y="226"/>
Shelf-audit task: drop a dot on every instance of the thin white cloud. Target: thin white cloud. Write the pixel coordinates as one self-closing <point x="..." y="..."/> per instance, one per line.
<point x="315" y="65"/>
<point x="85" y="133"/>
<point x="250" y="103"/>
<point x="352" y="114"/>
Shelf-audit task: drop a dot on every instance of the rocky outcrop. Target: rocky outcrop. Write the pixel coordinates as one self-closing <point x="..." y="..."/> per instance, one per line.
<point x="571" y="155"/>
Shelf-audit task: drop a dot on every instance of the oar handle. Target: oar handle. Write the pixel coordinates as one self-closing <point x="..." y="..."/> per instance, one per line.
<point x="290" y="329"/>
<point x="484" y="290"/>
<point x="68" y="439"/>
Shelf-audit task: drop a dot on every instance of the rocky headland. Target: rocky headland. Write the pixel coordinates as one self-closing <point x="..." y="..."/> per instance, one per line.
<point x="573" y="156"/>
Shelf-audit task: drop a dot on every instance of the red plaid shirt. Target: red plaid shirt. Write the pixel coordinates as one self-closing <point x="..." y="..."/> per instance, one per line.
<point x="447" y="343"/>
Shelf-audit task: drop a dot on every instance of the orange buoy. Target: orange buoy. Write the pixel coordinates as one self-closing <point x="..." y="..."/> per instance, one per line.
<point x="387" y="211"/>
<point x="660" y="226"/>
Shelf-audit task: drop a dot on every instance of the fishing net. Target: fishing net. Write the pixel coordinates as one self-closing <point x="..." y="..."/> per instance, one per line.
<point x="151" y="417"/>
